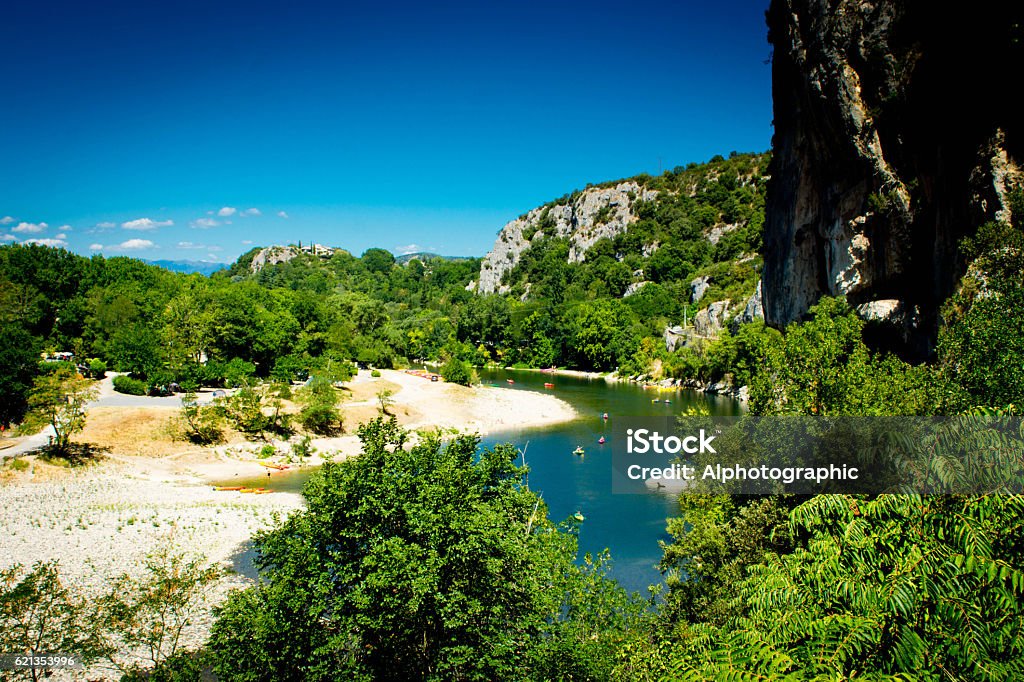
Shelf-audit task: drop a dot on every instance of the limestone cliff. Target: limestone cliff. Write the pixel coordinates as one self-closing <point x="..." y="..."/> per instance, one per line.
<point x="896" y="135"/>
<point x="584" y="218"/>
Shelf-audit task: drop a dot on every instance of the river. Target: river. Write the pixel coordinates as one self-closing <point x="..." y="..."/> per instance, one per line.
<point x="630" y="526"/>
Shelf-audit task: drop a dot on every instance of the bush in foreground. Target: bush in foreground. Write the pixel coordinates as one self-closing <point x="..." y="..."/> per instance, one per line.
<point x="432" y="563"/>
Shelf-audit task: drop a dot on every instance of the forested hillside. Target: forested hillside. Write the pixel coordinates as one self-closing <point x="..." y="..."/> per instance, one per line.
<point x="605" y="309"/>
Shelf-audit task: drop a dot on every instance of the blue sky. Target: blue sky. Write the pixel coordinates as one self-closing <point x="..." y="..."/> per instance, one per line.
<point x="197" y="129"/>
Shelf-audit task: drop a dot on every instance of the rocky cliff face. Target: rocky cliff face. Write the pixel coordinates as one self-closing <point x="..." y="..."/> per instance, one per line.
<point x="272" y="255"/>
<point x="585" y="218"/>
<point x="896" y="135"/>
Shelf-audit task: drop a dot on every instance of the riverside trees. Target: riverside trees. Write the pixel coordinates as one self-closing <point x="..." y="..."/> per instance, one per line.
<point x="434" y="562"/>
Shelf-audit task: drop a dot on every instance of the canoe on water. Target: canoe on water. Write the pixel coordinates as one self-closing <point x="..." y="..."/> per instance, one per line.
<point x="227" y="487"/>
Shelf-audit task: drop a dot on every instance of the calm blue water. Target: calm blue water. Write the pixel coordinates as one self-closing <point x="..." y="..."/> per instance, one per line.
<point x="630" y="526"/>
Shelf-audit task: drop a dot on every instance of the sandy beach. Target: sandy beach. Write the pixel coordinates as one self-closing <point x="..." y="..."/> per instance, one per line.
<point x="151" y="491"/>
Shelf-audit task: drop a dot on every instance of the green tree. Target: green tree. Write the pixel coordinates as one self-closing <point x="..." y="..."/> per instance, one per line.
<point x="19" y="360"/>
<point x="456" y="371"/>
<point x="378" y="260"/>
<point x="385" y="399"/>
<point x="61" y="397"/>
<point x="320" y="413"/>
<point x="433" y="562"/>
<point x="823" y="367"/>
<point x="151" y="613"/>
<point x="200" y="424"/>
<point x="899" y="585"/>
<point x="40" y="615"/>
<point x="981" y="348"/>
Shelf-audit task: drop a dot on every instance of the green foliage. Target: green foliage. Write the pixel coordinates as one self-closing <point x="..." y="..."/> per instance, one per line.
<point x="126" y="384"/>
<point x="184" y="666"/>
<point x="375" y="373"/>
<point x="823" y="367"/>
<point x="98" y="369"/>
<point x="457" y="371"/>
<point x="60" y="398"/>
<point x="255" y="412"/>
<point x="378" y="260"/>
<point x="19" y="360"/>
<point x="603" y="215"/>
<point x="898" y="585"/>
<point x="150" y="613"/>
<point x="385" y="400"/>
<point x="714" y="540"/>
<point x="200" y="424"/>
<point x="981" y="347"/>
<point x="303" y="448"/>
<point x="319" y="413"/>
<point x="40" y="615"/>
<point x="17" y="464"/>
<point x="433" y="562"/>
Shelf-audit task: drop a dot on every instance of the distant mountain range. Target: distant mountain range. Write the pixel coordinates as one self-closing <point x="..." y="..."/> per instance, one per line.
<point x="424" y="255"/>
<point x="189" y="266"/>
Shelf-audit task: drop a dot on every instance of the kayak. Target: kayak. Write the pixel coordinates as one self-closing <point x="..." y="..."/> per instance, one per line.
<point x="549" y="385"/>
<point x="271" y="465"/>
<point x="227" y="487"/>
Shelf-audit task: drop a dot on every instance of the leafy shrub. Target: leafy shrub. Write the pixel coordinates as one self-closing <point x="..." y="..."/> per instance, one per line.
<point x="456" y="371"/>
<point x="303" y="448"/>
<point x="321" y="418"/>
<point x="375" y="373"/>
<point x="461" y="556"/>
<point x="98" y="369"/>
<point x="201" y="424"/>
<point x="19" y="464"/>
<point x="62" y="365"/>
<point x="125" y="384"/>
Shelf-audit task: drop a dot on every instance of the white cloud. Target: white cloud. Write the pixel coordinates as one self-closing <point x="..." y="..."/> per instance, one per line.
<point x="282" y="214"/>
<point x="408" y="248"/>
<point x="250" y="212"/>
<point x="146" y="224"/>
<point x="95" y="247"/>
<point x="8" y="238"/>
<point x="246" y="242"/>
<point x="199" y="247"/>
<point x="66" y="228"/>
<point x="47" y="242"/>
<point x="106" y="225"/>
<point x="134" y="244"/>
<point x="31" y="228"/>
<point x="6" y="220"/>
<point x="61" y="236"/>
<point x="227" y="211"/>
<point x="204" y="223"/>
